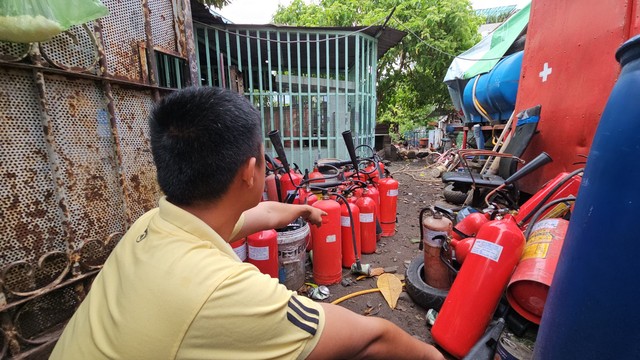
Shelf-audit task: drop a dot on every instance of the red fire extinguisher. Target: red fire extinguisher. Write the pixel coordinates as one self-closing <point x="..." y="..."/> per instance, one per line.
<point x="367" y="223"/>
<point x="263" y="252"/>
<point x="327" y="245"/>
<point x="470" y="225"/>
<point x="240" y="248"/>
<point x="348" y="252"/>
<point x="435" y="229"/>
<point x="388" y="188"/>
<point x="477" y="289"/>
<point x="289" y="184"/>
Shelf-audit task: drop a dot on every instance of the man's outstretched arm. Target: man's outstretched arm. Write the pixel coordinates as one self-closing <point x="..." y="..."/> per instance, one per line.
<point x="348" y="335"/>
<point x="274" y="215"/>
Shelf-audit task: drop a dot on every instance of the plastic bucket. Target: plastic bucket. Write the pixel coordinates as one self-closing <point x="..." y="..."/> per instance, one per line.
<point x="292" y="246"/>
<point x="529" y="285"/>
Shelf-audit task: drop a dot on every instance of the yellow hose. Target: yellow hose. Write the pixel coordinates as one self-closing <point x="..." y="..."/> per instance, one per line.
<point x="357" y="293"/>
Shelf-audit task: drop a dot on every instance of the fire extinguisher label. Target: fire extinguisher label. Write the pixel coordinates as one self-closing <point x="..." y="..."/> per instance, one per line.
<point x="431" y="234"/>
<point x="241" y="251"/>
<point x="331" y="238"/>
<point x="345" y="221"/>
<point x="487" y="249"/>
<point x="366" y="218"/>
<point x="258" y="253"/>
<point x="392" y="192"/>
<point x="265" y="197"/>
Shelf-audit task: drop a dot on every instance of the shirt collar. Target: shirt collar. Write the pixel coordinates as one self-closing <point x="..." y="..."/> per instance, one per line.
<point x="193" y="225"/>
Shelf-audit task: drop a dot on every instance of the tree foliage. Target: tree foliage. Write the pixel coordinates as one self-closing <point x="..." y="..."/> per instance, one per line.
<point x="410" y="87"/>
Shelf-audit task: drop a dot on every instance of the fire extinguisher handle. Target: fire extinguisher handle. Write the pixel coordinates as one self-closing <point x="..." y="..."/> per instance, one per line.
<point x="274" y="135"/>
<point x="348" y="141"/>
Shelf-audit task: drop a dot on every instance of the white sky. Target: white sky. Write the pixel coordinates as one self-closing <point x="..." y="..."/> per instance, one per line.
<point x="261" y="11"/>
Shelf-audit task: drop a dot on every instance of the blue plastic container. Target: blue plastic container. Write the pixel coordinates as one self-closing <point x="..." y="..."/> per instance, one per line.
<point x="593" y="307"/>
<point x="496" y="90"/>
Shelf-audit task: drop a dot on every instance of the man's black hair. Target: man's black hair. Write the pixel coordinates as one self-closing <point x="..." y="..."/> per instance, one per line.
<point x="199" y="138"/>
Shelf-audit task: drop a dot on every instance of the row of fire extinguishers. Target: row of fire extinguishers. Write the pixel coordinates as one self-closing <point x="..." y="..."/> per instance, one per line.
<point x="359" y="197"/>
<point x="494" y="253"/>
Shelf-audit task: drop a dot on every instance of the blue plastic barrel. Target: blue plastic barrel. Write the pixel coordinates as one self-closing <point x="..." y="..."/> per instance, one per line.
<point x="593" y="307"/>
<point x="496" y="90"/>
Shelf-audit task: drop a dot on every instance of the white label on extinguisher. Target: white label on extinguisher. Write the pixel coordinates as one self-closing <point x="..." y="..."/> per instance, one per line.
<point x="429" y="236"/>
<point x="345" y="221"/>
<point x="392" y="192"/>
<point x="366" y="217"/>
<point x="487" y="249"/>
<point x="265" y="197"/>
<point x="241" y="251"/>
<point x="331" y="238"/>
<point x="259" y="253"/>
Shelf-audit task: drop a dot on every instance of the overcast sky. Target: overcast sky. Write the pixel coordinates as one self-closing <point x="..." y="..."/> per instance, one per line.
<point x="261" y="11"/>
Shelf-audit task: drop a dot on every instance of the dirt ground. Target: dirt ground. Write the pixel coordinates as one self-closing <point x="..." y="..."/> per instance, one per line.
<point x="417" y="189"/>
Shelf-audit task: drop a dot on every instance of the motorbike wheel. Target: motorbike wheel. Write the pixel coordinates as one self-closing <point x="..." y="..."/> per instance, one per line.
<point x="420" y="292"/>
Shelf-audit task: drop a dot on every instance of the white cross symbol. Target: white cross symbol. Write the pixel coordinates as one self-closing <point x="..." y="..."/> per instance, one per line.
<point x="546" y="70"/>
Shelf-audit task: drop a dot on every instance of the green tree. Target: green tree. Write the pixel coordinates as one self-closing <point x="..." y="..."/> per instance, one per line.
<point x="410" y="90"/>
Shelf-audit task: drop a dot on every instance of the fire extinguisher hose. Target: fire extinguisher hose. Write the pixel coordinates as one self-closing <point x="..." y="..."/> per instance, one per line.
<point x="353" y="231"/>
<point x="535" y="217"/>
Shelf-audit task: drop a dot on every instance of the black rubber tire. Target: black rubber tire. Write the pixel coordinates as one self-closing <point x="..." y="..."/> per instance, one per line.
<point x="453" y="196"/>
<point x="420" y="292"/>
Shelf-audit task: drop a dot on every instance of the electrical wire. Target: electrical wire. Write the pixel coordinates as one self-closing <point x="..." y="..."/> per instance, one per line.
<point x="442" y="51"/>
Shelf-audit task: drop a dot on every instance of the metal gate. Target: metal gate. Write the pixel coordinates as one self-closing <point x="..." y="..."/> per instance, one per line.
<point x="75" y="166"/>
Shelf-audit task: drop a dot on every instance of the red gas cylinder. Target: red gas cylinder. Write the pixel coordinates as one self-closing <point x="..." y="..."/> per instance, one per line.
<point x="348" y="253"/>
<point x="569" y="188"/>
<point x="372" y="171"/>
<point x="367" y="224"/>
<point x="327" y="247"/>
<point x="271" y="188"/>
<point x="288" y="184"/>
<point x="388" y="188"/>
<point x="471" y="224"/>
<point x="436" y="229"/>
<point x="263" y="252"/>
<point x="477" y="289"/>
<point x="316" y="176"/>
<point x="529" y="285"/>
<point x="462" y="248"/>
<point x="240" y="248"/>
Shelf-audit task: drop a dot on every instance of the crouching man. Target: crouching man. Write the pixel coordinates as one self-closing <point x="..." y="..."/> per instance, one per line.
<point x="174" y="289"/>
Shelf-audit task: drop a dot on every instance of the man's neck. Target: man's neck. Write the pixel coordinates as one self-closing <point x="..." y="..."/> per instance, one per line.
<point x="221" y="216"/>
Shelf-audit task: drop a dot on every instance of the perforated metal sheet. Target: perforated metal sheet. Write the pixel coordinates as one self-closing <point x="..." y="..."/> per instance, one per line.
<point x="41" y="314"/>
<point x="132" y="110"/>
<point x="31" y="223"/>
<point x="123" y="30"/>
<point x="73" y="49"/>
<point x="88" y="169"/>
<point x="13" y="51"/>
<point x="162" y="24"/>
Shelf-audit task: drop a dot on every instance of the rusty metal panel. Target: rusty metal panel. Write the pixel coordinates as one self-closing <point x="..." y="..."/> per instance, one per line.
<point x="74" y="49"/>
<point x="122" y="30"/>
<point x="88" y="171"/>
<point x="31" y="223"/>
<point x="13" y="51"/>
<point x="162" y="24"/>
<point x="132" y="110"/>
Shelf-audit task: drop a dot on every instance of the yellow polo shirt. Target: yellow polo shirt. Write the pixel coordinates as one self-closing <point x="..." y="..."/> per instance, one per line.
<point x="174" y="289"/>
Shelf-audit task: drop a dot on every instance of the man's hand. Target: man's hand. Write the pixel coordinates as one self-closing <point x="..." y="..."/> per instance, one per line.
<point x="275" y="215"/>
<point x="313" y="215"/>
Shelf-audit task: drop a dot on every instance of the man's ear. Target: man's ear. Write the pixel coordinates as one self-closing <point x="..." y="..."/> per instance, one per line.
<point x="248" y="171"/>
